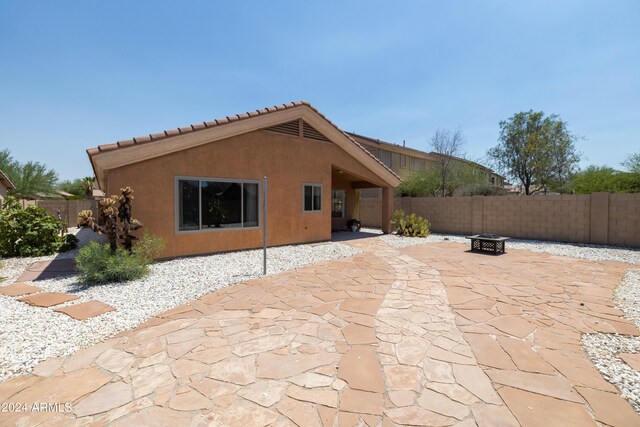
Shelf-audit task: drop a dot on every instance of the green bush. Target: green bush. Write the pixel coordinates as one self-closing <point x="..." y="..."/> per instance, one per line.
<point x="97" y="264"/>
<point x="410" y="225"/>
<point x="27" y="232"/>
<point x="150" y="247"/>
<point x="67" y="243"/>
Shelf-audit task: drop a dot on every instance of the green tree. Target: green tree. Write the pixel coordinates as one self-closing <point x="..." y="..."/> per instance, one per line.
<point x="7" y="163"/>
<point x="632" y="163"/>
<point x="429" y="183"/>
<point x="425" y="183"/>
<point x="74" y="187"/>
<point x="595" y="179"/>
<point x="463" y="175"/>
<point x="87" y="184"/>
<point x="631" y="179"/>
<point x="603" y="178"/>
<point x="78" y="187"/>
<point x="30" y="178"/>
<point x="538" y="151"/>
<point x="629" y="182"/>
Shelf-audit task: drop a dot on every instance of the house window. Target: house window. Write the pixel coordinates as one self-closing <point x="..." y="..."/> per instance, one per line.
<point x="395" y="161"/>
<point x="338" y="198"/>
<point x="403" y="160"/>
<point x="385" y="157"/>
<point x="312" y="197"/>
<point x="214" y="203"/>
<point x="417" y="164"/>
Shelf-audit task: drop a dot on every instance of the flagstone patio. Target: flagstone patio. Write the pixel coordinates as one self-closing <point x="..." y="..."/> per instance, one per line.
<point x="426" y="335"/>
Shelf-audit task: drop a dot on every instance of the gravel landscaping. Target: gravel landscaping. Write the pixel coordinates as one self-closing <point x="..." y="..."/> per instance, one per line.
<point x="576" y="250"/>
<point x="627" y="296"/>
<point x="604" y="349"/>
<point x="31" y="334"/>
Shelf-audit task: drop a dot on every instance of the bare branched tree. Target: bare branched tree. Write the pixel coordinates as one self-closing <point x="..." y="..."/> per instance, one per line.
<point x="448" y="146"/>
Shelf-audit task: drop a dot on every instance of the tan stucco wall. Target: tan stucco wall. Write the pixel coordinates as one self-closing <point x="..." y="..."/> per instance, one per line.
<point x="287" y="161"/>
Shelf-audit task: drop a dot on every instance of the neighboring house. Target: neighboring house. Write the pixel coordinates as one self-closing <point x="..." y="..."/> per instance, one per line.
<point x="514" y="189"/>
<point x="489" y="177"/>
<point x="5" y="186"/>
<point x="200" y="187"/>
<point x="404" y="161"/>
<point x="97" y="194"/>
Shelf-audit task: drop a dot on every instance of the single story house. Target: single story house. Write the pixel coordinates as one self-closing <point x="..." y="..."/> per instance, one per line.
<point x="5" y="186"/>
<point x="200" y="187"/>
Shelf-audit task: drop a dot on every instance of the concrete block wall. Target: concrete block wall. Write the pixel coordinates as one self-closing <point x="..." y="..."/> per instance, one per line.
<point x="558" y="218"/>
<point x="69" y="209"/>
<point x="370" y="212"/>
<point x="451" y="214"/>
<point x="624" y="220"/>
<point x="598" y="218"/>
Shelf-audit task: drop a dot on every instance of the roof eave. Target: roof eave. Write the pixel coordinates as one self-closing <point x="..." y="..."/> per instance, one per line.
<point x="4" y="178"/>
<point x="138" y="149"/>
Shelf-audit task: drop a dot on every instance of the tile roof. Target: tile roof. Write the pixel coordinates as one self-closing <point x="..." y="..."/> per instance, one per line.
<point x="420" y="152"/>
<point x="144" y="139"/>
<point x="391" y="145"/>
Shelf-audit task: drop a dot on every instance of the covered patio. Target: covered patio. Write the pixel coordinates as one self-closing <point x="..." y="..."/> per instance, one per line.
<point x="344" y="203"/>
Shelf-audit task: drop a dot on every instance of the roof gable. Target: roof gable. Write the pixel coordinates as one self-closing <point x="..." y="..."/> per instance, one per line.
<point x="6" y="181"/>
<point x="122" y="153"/>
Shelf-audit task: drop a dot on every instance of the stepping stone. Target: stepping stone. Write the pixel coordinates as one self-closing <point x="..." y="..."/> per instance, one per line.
<point x="48" y="270"/>
<point x="85" y="310"/>
<point x="48" y="299"/>
<point x="19" y="288"/>
<point x="29" y="276"/>
<point x="53" y="265"/>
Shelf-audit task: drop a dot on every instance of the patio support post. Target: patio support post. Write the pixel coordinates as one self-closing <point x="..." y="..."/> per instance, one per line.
<point x="387" y="209"/>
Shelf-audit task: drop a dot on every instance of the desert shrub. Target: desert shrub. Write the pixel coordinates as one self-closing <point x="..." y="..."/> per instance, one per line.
<point x="97" y="264"/>
<point x="150" y="247"/>
<point x="67" y="243"/>
<point x="410" y="225"/>
<point x="27" y="232"/>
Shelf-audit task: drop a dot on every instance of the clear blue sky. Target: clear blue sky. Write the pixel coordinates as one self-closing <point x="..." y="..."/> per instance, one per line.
<point x="74" y="75"/>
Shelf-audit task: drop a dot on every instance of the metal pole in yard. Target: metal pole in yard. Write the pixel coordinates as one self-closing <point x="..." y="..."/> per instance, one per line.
<point x="264" y="229"/>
